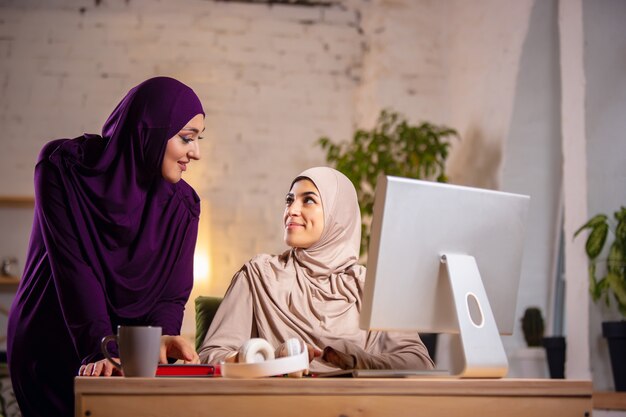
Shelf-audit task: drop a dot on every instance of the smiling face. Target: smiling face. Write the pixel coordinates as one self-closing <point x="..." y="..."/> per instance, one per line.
<point x="181" y="149"/>
<point x="304" y="215"/>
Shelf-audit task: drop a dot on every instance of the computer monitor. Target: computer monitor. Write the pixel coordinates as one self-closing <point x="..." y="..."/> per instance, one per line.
<point x="446" y="259"/>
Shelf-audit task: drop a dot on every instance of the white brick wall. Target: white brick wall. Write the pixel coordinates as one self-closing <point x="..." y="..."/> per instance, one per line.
<point x="272" y="79"/>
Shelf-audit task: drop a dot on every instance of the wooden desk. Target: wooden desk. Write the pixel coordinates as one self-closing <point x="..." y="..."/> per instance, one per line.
<point x="609" y="400"/>
<point x="317" y="397"/>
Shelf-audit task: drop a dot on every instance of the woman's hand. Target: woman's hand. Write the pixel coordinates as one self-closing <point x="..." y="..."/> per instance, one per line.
<point x="339" y="359"/>
<point x="177" y="347"/>
<point x="313" y="352"/>
<point x="100" y="368"/>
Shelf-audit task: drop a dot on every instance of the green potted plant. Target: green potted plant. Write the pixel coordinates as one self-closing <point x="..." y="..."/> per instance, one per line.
<point x="607" y="281"/>
<point x="393" y="147"/>
<point x="530" y="361"/>
<point x="533" y="326"/>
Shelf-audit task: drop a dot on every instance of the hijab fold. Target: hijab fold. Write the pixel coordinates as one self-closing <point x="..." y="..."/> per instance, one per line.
<point x="131" y="222"/>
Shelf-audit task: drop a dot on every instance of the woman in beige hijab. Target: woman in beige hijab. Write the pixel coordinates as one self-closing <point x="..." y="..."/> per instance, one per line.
<point x="312" y="291"/>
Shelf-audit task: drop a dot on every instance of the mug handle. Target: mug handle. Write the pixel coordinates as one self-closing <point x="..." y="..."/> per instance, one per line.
<point x="103" y="346"/>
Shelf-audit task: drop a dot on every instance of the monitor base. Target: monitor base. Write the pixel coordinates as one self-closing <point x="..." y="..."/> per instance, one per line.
<point x="477" y="351"/>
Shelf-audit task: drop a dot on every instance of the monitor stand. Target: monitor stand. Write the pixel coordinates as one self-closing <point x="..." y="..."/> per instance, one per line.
<point x="478" y="352"/>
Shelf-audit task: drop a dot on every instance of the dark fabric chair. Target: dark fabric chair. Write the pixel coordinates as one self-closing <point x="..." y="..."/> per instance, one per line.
<point x="206" y="307"/>
<point x="430" y="341"/>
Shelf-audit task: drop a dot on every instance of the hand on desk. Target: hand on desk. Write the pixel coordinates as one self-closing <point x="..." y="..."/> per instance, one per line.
<point x="313" y="352"/>
<point x="102" y="367"/>
<point x="339" y="359"/>
<point x="171" y="346"/>
<point x="177" y="347"/>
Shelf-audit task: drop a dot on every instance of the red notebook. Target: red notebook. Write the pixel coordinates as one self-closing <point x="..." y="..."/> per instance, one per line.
<point x="188" y="370"/>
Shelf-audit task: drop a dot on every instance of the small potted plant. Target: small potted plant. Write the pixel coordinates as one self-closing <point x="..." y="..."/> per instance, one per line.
<point x="607" y="281"/>
<point x="533" y="326"/>
<point x="530" y="362"/>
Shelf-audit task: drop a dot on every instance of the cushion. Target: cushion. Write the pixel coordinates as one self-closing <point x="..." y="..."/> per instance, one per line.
<point x="206" y="307"/>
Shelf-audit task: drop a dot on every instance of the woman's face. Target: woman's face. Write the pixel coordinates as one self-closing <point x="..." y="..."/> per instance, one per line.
<point x="181" y="149"/>
<point x="304" y="215"/>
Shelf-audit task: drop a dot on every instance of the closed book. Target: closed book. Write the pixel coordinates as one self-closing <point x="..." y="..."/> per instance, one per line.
<point x="185" y="370"/>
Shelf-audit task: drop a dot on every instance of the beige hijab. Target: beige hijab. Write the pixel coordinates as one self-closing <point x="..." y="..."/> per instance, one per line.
<point x="313" y="294"/>
<point x="338" y="248"/>
<point x="319" y="287"/>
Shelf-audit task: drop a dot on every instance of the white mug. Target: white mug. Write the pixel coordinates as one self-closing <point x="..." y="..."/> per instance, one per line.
<point x="139" y="348"/>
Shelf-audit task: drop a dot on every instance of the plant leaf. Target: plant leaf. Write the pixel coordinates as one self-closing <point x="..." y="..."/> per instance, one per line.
<point x="620" y="230"/>
<point x="595" y="290"/>
<point x="618" y="286"/>
<point x="596" y="240"/>
<point x="593" y="222"/>
<point x="616" y="261"/>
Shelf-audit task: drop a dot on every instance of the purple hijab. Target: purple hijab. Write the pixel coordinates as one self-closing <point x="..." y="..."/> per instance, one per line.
<point x="131" y="220"/>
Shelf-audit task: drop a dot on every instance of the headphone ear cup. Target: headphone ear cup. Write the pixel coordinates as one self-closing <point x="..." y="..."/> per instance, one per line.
<point x="294" y="347"/>
<point x="255" y="350"/>
<point x="255" y="359"/>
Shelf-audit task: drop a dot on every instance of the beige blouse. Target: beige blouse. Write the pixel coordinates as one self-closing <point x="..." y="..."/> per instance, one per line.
<point x="253" y="307"/>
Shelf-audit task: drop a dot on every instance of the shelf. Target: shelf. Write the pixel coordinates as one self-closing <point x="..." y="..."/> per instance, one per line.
<point x="609" y="400"/>
<point x="17" y="201"/>
<point x="9" y="282"/>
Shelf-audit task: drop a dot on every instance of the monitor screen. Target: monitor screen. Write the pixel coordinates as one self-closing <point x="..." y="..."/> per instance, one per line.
<point x="421" y="232"/>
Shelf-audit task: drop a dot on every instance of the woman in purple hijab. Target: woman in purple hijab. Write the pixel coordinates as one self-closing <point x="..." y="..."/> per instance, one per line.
<point x="112" y="243"/>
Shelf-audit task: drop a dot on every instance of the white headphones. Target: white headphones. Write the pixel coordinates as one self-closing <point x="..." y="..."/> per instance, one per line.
<point x="256" y="359"/>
